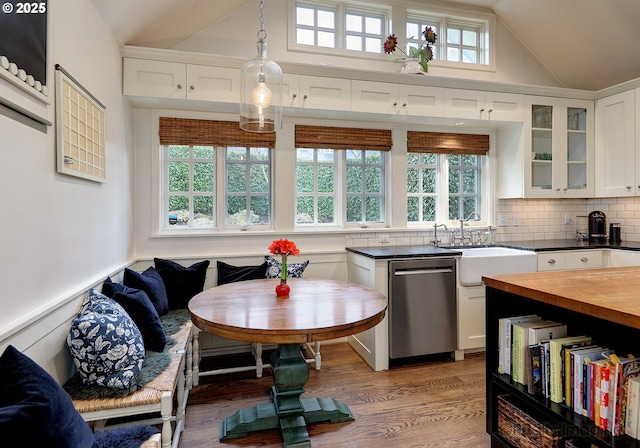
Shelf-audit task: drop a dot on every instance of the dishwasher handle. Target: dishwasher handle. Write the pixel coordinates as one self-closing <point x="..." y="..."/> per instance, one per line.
<point x="399" y="272"/>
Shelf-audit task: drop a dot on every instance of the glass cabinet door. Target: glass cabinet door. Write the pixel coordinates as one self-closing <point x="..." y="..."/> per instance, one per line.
<point x="541" y="147"/>
<point x="576" y="148"/>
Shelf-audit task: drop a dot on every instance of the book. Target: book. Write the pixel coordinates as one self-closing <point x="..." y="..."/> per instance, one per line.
<point x="535" y="386"/>
<point x="596" y="373"/>
<point x="567" y="370"/>
<point x="505" y="341"/>
<point x="578" y="376"/>
<point x="629" y="368"/>
<point x="522" y="333"/>
<point x="589" y="386"/>
<point x="632" y="410"/>
<point x="556" y="363"/>
<point x="605" y="375"/>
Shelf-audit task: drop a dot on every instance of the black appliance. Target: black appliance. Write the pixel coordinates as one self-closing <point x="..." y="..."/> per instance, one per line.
<point x="597" y="227"/>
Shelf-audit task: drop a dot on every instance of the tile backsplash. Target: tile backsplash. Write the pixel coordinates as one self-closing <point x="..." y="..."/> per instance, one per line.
<point x="526" y="219"/>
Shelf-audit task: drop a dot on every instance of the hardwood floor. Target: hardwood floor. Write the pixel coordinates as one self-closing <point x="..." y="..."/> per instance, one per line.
<point x="437" y="403"/>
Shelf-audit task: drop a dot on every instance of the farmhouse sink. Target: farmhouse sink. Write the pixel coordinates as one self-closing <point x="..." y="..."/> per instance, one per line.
<point x="478" y="261"/>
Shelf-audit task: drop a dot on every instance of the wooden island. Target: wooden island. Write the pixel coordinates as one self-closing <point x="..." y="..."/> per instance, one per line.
<point x="601" y="303"/>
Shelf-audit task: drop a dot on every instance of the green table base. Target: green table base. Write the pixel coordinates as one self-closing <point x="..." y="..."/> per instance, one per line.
<point x="287" y="410"/>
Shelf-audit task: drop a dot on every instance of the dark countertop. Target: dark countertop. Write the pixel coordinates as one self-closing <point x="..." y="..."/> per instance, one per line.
<point x="443" y="251"/>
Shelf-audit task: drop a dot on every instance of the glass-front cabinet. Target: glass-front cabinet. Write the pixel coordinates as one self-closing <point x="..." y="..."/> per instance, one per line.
<point x="559" y="148"/>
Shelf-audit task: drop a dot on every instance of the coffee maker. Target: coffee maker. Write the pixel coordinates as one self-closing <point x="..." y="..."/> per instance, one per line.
<point x="597" y="227"/>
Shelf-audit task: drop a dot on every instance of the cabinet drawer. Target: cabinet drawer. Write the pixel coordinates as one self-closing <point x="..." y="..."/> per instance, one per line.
<point x="583" y="259"/>
<point x="551" y="261"/>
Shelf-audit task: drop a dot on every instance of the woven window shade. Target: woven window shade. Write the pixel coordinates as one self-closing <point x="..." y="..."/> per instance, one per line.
<point x="186" y="131"/>
<point x="443" y="143"/>
<point x="342" y="138"/>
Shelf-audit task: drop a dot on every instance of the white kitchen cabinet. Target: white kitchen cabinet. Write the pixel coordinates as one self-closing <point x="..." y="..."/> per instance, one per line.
<point x="471" y="317"/>
<point x="396" y="99"/>
<point x="290" y="90"/>
<point x="176" y="80"/>
<point x="574" y="259"/>
<point x="325" y="93"/>
<point x="622" y="258"/>
<point x="616" y="173"/>
<point x="207" y="83"/>
<point x="559" y="148"/>
<point x="478" y="105"/>
<point x="157" y="79"/>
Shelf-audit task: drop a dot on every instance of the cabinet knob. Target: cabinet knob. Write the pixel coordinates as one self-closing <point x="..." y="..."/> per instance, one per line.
<point x="295" y="95"/>
<point x="395" y="104"/>
<point x="305" y="97"/>
<point x="490" y="110"/>
<point x="551" y="261"/>
<point x="192" y="87"/>
<point x="404" y="104"/>
<point x="482" y="110"/>
<point x="628" y="187"/>
<point x="584" y="259"/>
<point x="179" y="86"/>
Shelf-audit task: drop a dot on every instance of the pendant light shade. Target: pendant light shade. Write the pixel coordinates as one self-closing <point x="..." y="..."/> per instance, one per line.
<point x="261" y="89"/>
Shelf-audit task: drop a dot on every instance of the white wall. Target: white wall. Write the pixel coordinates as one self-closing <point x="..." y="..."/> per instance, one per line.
<point x="60" y="233"/>
<point x="236" y="36"/>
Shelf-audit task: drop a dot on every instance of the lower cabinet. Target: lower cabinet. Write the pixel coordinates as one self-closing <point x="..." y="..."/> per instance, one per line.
<point x="574" y="259"/>
<point x="471" y="317"/>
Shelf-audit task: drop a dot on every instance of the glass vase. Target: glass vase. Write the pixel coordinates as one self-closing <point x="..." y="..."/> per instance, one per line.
<point x="282" y="290"/>
<point x="411" y="66"/>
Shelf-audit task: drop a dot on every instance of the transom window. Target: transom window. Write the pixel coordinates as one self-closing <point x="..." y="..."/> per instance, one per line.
<point x="316" y="26"/>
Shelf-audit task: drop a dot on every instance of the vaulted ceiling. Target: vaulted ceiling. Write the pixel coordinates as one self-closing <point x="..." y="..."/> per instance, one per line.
<point x="585" y="44"/>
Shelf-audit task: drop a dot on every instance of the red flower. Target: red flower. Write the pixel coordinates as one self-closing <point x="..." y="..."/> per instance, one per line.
<point x="284" y="247"/>
<point x="390" y="44"/>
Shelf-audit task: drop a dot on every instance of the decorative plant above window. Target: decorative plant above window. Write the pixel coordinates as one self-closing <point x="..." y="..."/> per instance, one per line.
<point x="424" y="51"/>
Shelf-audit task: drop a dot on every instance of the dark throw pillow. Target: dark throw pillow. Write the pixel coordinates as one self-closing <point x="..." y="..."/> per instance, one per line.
<point x="274" y="268"/>
<point x="126" y="437"/>
<point x="34" y="409"/>
<point x="138" y="305"/>
<point x="182" y="283"/>
<point x="228" y="273"/>
<point x="152" y="283"/>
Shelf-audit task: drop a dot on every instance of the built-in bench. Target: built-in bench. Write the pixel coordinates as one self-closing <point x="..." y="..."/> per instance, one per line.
<point x="42" y="334"/>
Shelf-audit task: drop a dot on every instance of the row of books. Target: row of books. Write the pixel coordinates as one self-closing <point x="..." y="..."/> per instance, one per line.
<point x="573" y="371"/>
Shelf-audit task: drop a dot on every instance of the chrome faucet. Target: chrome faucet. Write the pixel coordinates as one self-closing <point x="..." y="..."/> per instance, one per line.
<point x="435" y="241"/>
<point x="462" y="221"/>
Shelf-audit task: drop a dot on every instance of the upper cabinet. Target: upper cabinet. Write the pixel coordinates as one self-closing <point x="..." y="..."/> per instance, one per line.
<point x="325" y="93"/>
<point x="616" y="172"/>
<point x="478" y="105"/>
<point x="175" y="80"/>
<point x="396" y="99"/>
<point x="559" y="148"/>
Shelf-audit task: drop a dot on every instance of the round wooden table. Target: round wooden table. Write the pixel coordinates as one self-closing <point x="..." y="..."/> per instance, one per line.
<point x="315" y="310"/>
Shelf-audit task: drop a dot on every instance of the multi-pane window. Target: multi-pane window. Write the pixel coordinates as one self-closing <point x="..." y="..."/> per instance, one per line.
<point x="422" y="187"/>
<point x="364" y="32"/>
<point x="459" y="40"/>
<point x="340" y="27"/>
<point x="248" y="185"/>
<point x="364" y="186"/>
<point x="316" y="26"/>
<point x="190" y="187"/>
<point x="315" y="186"/>
<point x="464" y="185"/>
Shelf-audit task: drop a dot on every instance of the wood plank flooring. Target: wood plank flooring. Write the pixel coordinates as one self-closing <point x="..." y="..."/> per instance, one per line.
<point x="436" y="403"/>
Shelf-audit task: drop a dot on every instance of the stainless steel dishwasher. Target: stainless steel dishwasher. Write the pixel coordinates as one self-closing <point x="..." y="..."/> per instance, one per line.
<point x="422" y="307"/>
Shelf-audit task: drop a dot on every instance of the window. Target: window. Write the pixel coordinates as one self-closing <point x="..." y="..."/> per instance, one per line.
<point x="340" y="175"/>
<point x="444" y="175"/>
<point x="340" y="27"/>
<point x="460" y="40"/>
<point x="213" y="174"/>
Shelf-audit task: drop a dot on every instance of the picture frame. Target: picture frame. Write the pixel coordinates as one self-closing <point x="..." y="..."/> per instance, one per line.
<point x="80" y="130"/>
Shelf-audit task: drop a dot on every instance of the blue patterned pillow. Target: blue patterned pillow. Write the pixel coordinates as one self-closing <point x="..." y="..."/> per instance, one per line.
<point x="274" y="268"/>
<point x="105" y="343"/>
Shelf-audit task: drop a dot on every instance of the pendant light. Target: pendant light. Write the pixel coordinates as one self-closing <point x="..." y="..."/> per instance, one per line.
<point x="261" y="89"/>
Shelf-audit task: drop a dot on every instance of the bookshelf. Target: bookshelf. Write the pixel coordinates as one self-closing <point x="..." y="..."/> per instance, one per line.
<point x="560" y="296"/>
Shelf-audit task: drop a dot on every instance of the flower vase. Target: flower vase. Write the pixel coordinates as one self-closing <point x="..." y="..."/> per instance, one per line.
<point x="411" y="66"/>
<point x="282" y="290"/>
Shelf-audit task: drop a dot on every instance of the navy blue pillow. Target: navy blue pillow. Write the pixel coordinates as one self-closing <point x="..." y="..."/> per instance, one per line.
<point x="34" y="409"/>
<point x="138" y="305"/>
<point x="151" y="283"/>
<point x="126" y="437"/>
<point x="228" y="273"/>
<point x="182" y="283"/>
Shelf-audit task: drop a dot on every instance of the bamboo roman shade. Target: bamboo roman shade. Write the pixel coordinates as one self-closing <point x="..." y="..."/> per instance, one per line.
<point x="443" y="143"/>
<point x="186" y="131"/>
<point x="342" y="138"/>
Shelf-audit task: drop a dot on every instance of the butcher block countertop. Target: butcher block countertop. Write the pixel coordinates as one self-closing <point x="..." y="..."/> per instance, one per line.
<point x="611" y="293"/>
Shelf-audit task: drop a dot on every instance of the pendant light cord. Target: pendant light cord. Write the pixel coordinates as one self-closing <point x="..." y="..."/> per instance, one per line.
<point x="262" y="34"/>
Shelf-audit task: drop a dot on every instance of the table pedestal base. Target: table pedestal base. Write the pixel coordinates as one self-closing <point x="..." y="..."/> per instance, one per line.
<point x="287" y="410"/>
